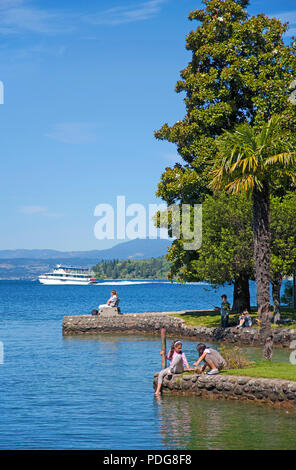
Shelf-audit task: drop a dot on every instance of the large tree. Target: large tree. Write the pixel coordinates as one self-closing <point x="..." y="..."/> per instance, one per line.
<point x="240" y="71"/>
<point x="252" y="162"/>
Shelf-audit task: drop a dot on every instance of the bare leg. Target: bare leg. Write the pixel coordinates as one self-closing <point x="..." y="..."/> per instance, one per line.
<point x="161" y="375"/>
<point x="175" y="368"/>
<point x="211" y="364"/>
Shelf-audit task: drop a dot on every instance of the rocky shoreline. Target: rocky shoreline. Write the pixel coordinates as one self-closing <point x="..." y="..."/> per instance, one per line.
<point x="152" y="322"/>
<point x="269" y="391"/>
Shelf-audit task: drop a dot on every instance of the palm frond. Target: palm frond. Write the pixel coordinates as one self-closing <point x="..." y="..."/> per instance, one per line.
<point x="286" y="159"/>
<point x="249" y="163"/>
<point x="239" y="185"/>
<point x="248" y="156"/>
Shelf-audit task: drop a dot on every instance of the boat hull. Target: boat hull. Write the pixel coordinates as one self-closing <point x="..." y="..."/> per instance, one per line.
<point x="60" y="282"/>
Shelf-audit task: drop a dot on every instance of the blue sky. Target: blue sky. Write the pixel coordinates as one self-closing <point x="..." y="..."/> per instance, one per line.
<point x="86" y="83"/>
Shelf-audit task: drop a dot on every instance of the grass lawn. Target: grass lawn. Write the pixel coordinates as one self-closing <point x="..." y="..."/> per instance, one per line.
<point x="214" y="319"/>
<point x="266" y="369"/>
<point x="204" y="319"/>
<point x="262" y="369"/>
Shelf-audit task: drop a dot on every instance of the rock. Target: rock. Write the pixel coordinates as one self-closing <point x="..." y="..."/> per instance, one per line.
<point x="109" y="311"/>
<point x="271" y="391"/>
<point x="110" y="320"/>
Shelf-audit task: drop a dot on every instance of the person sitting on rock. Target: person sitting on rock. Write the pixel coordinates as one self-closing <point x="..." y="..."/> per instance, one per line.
<point x="112" y="302"/>
<point x="245" y="319"/>
<point x="211" y="359"/>
<point x="178" y="362"/>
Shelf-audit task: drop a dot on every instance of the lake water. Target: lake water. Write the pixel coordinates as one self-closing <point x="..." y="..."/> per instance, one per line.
<point x="96" y="392"/>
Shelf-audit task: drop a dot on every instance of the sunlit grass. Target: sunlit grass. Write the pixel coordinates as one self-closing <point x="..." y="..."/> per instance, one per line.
<point x="266" y="369"/>
<point x="214" y="320"/>
<point x="263" y="370"/>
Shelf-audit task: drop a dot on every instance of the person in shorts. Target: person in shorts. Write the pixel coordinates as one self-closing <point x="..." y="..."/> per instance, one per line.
<point x="245" y="319"/>
<point x="211" y="358"/>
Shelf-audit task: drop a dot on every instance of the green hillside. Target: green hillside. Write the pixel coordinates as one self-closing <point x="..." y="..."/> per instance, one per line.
<point x="152" y="268"/>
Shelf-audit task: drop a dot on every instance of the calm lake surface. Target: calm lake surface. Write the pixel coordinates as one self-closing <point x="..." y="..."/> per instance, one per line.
<point x="96" y="392"/>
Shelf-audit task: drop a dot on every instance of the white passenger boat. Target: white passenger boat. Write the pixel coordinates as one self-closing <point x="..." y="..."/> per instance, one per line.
<point x="68" y="275"/>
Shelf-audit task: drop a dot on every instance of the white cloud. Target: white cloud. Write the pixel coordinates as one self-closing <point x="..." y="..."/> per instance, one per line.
<point x="74" y="132"/>
<point x="38" y="210"/>
<point x="126" y="14"/>
<point x="32" y="209"/>
<point x="19" y="16"/>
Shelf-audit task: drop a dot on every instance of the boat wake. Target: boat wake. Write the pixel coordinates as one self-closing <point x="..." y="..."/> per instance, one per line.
<point x="132" y="283"/>
<point x="129" y="283"/>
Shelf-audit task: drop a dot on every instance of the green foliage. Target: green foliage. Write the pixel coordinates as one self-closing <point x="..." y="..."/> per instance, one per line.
<point x="283" y="235"/>
<point x="240" y="69"/>
<point x="227" y="246"/>
<point x="152" y="268"/>
<point x="235" y="358"/>
<point x="240" y="72"/>
<point x="250" y="157"/>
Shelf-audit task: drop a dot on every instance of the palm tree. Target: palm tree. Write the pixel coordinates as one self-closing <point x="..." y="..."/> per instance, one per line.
<point x="256" y="162"/>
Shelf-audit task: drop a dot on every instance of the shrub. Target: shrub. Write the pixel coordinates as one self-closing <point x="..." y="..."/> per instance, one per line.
<point x="234" y="357"/>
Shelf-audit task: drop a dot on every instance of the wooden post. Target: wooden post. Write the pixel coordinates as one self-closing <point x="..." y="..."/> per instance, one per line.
<point x="163" y="348"/>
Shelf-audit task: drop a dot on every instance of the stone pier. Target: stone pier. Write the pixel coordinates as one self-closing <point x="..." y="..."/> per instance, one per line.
<point x="269" y="391"/>
<point x="152" y="322"/>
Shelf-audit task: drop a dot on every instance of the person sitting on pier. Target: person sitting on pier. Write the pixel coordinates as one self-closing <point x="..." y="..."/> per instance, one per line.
<point x="211" y="359"/>
<point x="112" y="302"/>
<point x="178" y="362"/>
<point x="245" y="320"/>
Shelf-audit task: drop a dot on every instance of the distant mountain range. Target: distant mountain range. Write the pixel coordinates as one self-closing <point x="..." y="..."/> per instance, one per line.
<point x="28" y="264"/>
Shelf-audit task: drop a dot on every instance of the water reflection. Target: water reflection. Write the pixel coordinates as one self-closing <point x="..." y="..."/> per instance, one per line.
<point x="199" y="423"/>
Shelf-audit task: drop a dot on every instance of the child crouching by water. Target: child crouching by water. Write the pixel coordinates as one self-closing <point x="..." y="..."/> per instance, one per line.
<point x="211" y="359"/>
<point x="177" y="360"/>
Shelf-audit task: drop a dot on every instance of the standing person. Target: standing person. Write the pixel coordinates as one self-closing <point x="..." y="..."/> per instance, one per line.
<point x="225" y="311"/>
<point x="178" y="362"/>
<point x="211" y="359"/>
<point x="113" y="301"/>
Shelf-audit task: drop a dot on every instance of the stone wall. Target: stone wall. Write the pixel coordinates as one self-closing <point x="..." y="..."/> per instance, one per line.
<point x="271" y="391"/>
<point x="152" y="322"/>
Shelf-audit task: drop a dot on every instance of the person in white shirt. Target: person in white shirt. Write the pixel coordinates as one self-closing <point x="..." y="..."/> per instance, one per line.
<point x="112" y="302"/>
<point x="211" y="358"/>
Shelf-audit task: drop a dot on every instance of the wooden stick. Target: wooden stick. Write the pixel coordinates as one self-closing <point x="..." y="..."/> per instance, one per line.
<point x="163" y="348"/>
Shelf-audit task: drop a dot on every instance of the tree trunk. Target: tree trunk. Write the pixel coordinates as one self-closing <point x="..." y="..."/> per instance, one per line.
<point x="261" y="225"/>
<point x="276" y="299"/>
<point x="241" y="294"/>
